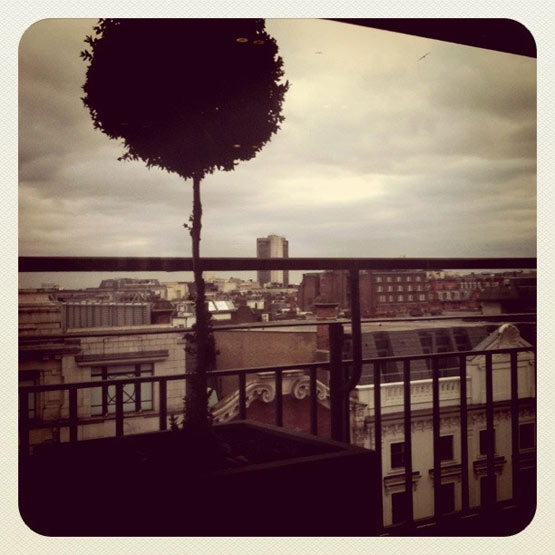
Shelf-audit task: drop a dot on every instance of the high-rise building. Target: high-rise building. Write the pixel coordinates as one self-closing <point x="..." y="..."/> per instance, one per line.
<point x="272" y="246"/>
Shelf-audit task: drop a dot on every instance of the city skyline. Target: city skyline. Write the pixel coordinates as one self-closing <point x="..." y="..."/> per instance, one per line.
<point x="375" y="141"/>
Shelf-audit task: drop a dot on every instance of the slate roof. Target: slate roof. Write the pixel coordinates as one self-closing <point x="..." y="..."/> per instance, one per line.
<point x="409" y="342"/>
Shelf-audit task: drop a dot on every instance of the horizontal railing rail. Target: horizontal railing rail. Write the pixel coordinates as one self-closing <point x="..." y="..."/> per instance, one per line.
<point x="155" y="264"/>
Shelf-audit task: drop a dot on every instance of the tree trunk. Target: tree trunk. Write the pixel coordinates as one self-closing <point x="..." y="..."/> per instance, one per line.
<point x="196" y="398"/>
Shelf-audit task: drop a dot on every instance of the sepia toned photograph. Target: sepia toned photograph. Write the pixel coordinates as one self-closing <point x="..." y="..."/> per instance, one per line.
<point x="277" y="277"/>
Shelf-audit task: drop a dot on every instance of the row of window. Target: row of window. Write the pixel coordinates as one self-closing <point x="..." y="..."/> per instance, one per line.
<point x="398" y="279"/>
<point x="401" y="298"/>
<point x="526" y="441"/>
<point x="400" y="288"/>
<point x="399" y="501"/>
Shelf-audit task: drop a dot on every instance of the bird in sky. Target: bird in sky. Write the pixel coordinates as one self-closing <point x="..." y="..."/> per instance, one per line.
<point x="422" y="57"/>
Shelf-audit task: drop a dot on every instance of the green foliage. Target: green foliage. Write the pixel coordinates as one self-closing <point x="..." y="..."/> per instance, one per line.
<point x="187" y="95"/>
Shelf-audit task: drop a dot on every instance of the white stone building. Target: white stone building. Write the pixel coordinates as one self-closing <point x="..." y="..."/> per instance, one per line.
<point x="49" y="356"/>
<point x="422" y="437"/>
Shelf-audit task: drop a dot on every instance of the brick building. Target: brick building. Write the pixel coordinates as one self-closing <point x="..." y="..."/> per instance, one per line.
<point x="391" y="293"/>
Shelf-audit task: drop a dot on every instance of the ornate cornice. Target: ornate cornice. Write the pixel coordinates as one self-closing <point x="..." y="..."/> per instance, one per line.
<point x="264" y="389"/>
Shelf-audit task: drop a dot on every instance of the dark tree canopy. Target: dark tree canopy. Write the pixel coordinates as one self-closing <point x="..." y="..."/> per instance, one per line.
<point x="187" y="95"/>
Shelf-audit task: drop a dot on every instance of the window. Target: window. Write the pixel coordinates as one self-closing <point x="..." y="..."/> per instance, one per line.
<point x="484" y="442"/>
<point x="411" y="298"/>
<point x="397" y="451"/>
<point x="409" y="287"/>
<point x="380" y="288"/>
<point x="390" y="288"/>
<point x="422" y="297"/>
<point x="30" y="378"/>
<point x="136" y="397"/>
<point x="447" y="498"/>
<point x="379" y="279"/>
<point x="446" y="448"/>
<point x="399" y="288"/>
<point x="418" y="278"/>
<point x="382" y="298"/>
<point x="400" y="298"/>
<point x="409" y="278"/>
<point x="526" y="436"/>
<point x="399" y="278"/>
<point x="399" y="507"/>
<point x="390" y="298"/>
<point x="389" y="279"/>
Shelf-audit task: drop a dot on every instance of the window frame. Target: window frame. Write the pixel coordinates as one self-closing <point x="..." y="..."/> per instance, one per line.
<point x="134" y="400"/>
<point x="446" y="447"/>
<point x="397" y="459"/>
<point x="28" y="378"/>
<point x="483" y="440"/>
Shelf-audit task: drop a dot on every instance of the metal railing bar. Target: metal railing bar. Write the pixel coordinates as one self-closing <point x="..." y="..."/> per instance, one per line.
<point x="356" y="368"/>
<point x="163" y="403"/>
<point x="465" y="490"/>
<point x="242" y="396"/>
<point x="119" y="409"/>
<point x="436" y="438"/>
<point x="313" y="402"/>
<point x="408" y="441"/>
<point x="336" y="382"/>
<point x="515" y="445"/>
<point x="24" y="440"/>
<point x="279" y="398"/>
<point x="378" y="432"/>
<point x="178" y="264"/>
<point x="73" y="421"/>
<point x="490" y="456"/>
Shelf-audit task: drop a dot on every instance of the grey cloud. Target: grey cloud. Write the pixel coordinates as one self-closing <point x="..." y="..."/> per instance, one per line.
<point x="379" y="155"/>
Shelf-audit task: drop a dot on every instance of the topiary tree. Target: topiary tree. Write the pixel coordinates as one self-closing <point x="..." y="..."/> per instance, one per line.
<point x="190" y="96"/>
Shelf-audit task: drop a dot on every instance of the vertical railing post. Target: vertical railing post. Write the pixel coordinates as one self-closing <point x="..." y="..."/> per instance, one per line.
<point x="73" y="414"/>
<point x="279" y="398"/>
<point x="356" y="333"/>
<point x="119" y="409"/>
<point x="163" y="403"/>
<point x="378" y="434"/>
<point x="515" y="451"/>
<point x="408" y="440"/>
<point x="242" y="396"/>
<point x="336" y="381"/>
<point x="313" y="403"/>
<point x="436" y="438"/>
<point x="490" y="433"/>
<point x="464" y="434"/>
<point x="24" y="423"/>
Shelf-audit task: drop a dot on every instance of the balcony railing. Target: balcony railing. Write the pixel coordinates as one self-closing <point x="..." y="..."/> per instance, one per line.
<point x="343" y="375"/>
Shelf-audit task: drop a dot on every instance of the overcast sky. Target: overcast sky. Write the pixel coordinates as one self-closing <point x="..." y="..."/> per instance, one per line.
<point x="382" y="153"/>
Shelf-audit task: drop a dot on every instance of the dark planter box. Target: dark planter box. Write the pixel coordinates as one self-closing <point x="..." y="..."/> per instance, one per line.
<point x="295" y="484"/>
